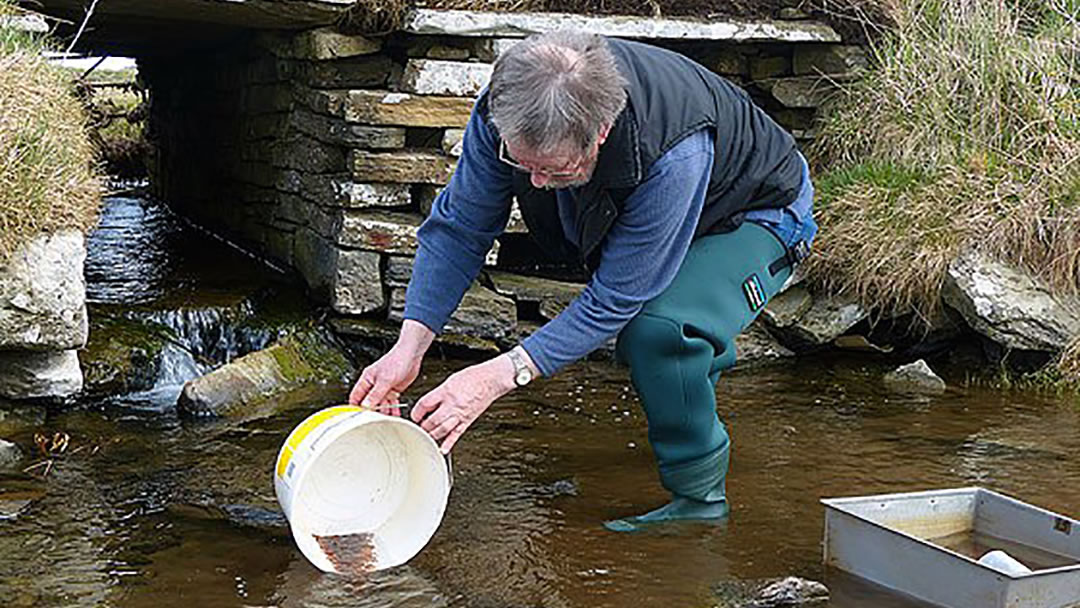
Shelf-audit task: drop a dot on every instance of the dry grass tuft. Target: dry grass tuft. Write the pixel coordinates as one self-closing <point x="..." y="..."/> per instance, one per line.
<point x="47" y="181"/>
<point x="1068" y="365"/>
<point x="967" y="134"/>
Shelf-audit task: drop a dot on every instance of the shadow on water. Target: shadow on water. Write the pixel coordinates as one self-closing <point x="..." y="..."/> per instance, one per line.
<point x="169" y="513"/>
<point x="147" y="511"/>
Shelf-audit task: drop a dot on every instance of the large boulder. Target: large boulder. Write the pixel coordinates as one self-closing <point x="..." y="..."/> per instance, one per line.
<point x="43" y="296"/>
<point x="1009" y="306"/>
<point x="30" y="375"/>
<point x="244" y="388"/>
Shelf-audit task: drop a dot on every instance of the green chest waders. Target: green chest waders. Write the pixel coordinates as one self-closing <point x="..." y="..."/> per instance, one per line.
<point x="676" y="348"/>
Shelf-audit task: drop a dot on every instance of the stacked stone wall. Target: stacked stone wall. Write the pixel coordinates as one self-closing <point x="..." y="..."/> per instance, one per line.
<point x="324" y="151"/>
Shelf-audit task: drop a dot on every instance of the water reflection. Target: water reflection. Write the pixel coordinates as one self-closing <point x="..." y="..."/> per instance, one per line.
<point x="171" y="514"/>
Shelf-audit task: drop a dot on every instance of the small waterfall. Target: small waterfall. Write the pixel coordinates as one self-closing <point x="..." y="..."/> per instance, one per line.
<point x="206" y="300"/>
<point x="201" y="339"/>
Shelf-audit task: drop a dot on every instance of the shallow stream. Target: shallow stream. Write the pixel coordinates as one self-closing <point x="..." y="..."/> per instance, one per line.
<point x="147" y="511"/>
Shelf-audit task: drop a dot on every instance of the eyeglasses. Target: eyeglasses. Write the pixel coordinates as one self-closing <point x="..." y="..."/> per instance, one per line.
<point x="504" y="156"/>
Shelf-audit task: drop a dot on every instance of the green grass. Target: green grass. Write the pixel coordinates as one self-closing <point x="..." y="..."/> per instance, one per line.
<point x="967" y="134"/>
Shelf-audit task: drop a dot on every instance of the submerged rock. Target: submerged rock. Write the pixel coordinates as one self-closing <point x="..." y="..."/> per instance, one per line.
<point x="244" y="387"/>
<point x="757" y="345"/>
<point x="20" y="418"/>
<point x="10" y="454"/>
<point x="915" y="377"/>
<point x="1010" y="306"/>
<point x="122" y="355"/>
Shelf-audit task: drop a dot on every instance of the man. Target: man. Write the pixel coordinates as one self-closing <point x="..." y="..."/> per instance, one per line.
<point x="687" y="203"/>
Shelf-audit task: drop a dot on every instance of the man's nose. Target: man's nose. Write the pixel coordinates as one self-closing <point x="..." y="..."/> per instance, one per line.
<point x="539" y="179"/>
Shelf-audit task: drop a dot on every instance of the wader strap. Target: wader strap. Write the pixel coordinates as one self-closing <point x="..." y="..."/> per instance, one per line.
<point x="792" y="256"/>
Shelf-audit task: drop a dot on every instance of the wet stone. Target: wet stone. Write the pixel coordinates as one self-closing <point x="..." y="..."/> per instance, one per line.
<point x="32" y="375"/>
<point x="482" y="313"/>
<point x="915" y="377"/>
<point x="335" y="130"/>
<point x="827" y="319"/>
<point x="243" y="388"/>
<point x="16" y="418"/>
<point x="10" y="454"/>
<point x="14" y="504"/>
<point x="790" y="592"/>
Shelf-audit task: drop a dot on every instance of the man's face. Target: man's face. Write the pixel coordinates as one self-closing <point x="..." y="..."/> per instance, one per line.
<point x="565" y="168"/>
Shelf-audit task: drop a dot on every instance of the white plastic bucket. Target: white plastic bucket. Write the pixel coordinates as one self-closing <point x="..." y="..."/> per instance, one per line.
<point x="349" y="471"/>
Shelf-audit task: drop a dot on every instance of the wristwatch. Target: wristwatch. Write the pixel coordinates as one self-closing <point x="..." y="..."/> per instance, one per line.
<point x="523" y="374"/>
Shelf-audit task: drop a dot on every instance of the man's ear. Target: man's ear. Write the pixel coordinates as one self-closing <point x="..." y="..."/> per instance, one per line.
<point x="602" y="136"/>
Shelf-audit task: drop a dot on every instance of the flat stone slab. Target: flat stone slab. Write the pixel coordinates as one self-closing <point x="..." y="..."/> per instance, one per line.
<point x="436" y="77"/>
<point x="407" y="167"/>
<point x="385" y="232"/>
<point x="489" y="24"/>
<point x="267" y="14"/>
<point x="552" y="296"/>
<point x="482" y="313"/>
<point x="402" y="109"/>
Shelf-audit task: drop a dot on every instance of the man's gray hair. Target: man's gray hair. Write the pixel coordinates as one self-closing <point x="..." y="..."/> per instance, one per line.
<point x="554" y="89"/>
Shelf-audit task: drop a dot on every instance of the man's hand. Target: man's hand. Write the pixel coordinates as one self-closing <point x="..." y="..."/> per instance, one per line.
<point x="456" y="403"/>
<point x="382" y="382"/>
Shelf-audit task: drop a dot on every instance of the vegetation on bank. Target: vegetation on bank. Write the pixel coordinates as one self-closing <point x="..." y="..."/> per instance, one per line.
<point x="47" y="177"/>
<point x="966" y="134"/>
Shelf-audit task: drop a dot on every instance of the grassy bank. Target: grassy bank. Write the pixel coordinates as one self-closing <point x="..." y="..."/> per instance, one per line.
<point x="966" y="135"/>
<point x="47" y="180"/>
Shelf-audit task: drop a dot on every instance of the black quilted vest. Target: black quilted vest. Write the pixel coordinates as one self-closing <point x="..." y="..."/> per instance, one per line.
<point x="669" y="97"/>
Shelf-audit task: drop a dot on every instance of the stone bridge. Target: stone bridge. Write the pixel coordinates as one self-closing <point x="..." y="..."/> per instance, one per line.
<point x="323" y="150"/>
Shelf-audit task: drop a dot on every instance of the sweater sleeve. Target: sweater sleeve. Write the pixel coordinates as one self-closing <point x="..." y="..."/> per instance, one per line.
<point x="465" y="219"/>
<point x="639" y="258"/>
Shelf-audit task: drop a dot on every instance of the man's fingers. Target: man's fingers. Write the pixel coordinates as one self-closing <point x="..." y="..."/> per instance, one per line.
<point x="377" y="394"/>
<point x="451" y="439"/>
<point x="425" y="405"/>
<point x="360" y="390"/>
<point x="444" y="428"/>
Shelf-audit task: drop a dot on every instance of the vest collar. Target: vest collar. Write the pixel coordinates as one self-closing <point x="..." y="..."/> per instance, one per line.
<point x="618" y="164"/>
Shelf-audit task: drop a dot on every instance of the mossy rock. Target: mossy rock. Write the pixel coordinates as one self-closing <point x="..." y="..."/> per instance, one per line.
<point x="246" y="388"/>
<point x="121" y="356"/>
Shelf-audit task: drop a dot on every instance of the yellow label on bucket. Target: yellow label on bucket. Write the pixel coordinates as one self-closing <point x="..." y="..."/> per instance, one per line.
<point x="301" y="432"/>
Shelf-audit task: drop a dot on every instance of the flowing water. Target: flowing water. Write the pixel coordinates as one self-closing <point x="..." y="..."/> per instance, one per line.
<point x="148" y="511"/>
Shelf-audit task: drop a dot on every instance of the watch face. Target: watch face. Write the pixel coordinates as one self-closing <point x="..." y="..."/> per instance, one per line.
<point x="523" y="377"/>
